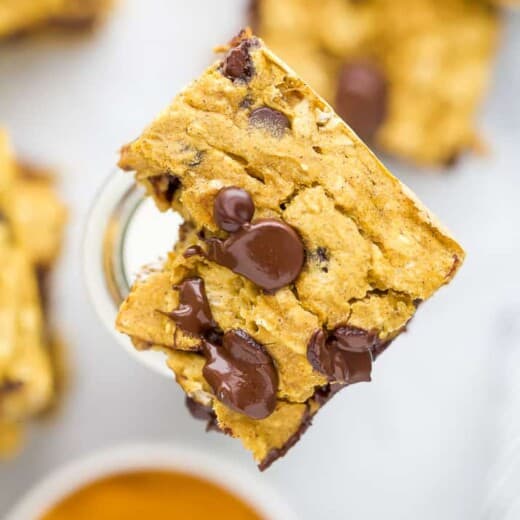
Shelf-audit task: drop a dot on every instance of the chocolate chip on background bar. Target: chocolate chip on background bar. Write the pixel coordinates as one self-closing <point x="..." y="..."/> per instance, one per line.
<point x="362" y="98"/>
<point x="270" y="120"/>
<point x="329" y="357"/>
<point x="233" y="207"/>
<point x="242" y="374"/>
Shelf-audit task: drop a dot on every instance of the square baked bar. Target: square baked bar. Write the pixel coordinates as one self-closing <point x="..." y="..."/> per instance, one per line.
<point x="408" y="75"/>
<point x="300" y="260"/>
<point x="22" y="16"/>
<point x="31" y="228"/>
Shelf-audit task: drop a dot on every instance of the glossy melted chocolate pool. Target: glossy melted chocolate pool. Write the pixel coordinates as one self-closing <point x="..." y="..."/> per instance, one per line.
<point x="153" y="495"/>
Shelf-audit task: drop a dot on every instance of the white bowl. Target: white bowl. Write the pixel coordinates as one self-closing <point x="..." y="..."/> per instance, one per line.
<point x="249" y="487"/>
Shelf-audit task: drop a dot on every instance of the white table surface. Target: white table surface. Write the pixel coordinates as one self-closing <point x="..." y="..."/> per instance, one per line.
<point x="421" y="441"/>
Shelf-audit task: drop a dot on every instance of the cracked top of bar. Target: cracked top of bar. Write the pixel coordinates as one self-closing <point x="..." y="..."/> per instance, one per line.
<point x="371" y="250"/>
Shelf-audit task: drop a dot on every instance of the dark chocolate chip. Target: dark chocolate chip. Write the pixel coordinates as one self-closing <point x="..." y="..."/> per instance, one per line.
<point x="202" y="413"/>
<point x="270" y="120"/>
<point x="238" y="64"/>
<point x="165" y="186"/>
<point x="233" y="207"/>
<point x="268" y="252"/>
<point x="361" y="98"/>
<point x="242" y="374"/>
<point x="193" y="315"/>
<point x="328" y="356"/>
<point x="194" y="251"/>
<point x="354" y="339"/>
<point x="277" y="453"/>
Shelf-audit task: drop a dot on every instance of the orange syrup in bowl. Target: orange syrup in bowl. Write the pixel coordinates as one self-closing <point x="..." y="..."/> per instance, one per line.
<point x="151" y="495"/>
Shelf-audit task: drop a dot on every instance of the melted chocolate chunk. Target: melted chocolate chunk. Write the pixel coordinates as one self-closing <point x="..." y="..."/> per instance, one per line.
<point x="193" y="315"/>
<point x="268" y="252"/>
<point x="233" y="207"/>
<point x="328" y="356"/>
<point x="277" y="453"/>
<point x="165" y="186"/>
<point x="361" y="98"/>
<point x="238" y="64"/>
<point x="354" y="339"/>
<point x="270" y="120"/>
<point x="202" y="413"/>
<point x="242" y="374"/>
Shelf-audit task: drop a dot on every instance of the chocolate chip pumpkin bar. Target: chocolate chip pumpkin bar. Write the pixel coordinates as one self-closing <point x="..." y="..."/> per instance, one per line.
<point x="22" y="16"/>
<point x="300" y="260"/>
<point x="31" y="226"/>
<point x="407" y="75"/>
